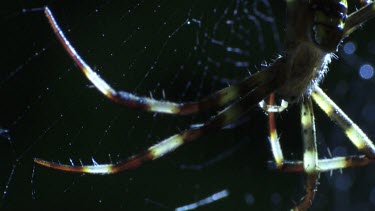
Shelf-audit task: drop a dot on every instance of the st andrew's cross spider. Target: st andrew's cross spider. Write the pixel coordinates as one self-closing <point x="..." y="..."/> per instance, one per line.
<point x="314" y="30"/>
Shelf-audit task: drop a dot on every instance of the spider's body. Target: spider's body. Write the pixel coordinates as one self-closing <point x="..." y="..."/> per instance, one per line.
<point x="314" y="30"/>
<point x="305" y="65"/>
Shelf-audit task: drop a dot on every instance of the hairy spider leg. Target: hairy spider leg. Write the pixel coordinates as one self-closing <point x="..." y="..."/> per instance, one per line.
<point x="274" y="138"/>
<point x="310" y="155"/>
<point x="357" y="18"/>
<point x="217" y="99"/>
<point x="327" y="164"/>
<point x="352" y="131"/>
<point x="228" y="115"/>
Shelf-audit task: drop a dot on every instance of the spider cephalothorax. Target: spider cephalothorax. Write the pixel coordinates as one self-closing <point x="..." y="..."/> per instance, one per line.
<point x="314" y="30"/>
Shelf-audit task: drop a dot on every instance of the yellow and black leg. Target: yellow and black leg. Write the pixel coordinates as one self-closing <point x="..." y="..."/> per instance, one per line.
<point x="352" y="131"/>
<point x="227" y="116"/>
<point x="310" y="155"/>
<point x="215" y="100"/>
<point x="311" y="165"/>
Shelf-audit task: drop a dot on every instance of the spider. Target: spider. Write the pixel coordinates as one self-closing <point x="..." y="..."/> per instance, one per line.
<point x="315" y="28"/>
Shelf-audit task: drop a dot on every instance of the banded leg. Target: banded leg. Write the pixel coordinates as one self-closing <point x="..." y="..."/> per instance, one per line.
<point x="352" y="131"/>
<point x="234" y="112"/>
<point x="274" y="139"/>
<point x="217" y="99"/>
<point x="328" y="164"/>
<point x="310" y="156"/>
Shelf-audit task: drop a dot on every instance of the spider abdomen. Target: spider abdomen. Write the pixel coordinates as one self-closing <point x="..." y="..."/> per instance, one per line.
<point x="306" y="64"/>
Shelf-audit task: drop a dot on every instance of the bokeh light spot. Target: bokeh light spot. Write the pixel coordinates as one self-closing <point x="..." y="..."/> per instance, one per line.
<point x="343" y="182"/>
<point x="249" y="199"/>
<point x="366" y="71"/>
<point x="349" y="48"/>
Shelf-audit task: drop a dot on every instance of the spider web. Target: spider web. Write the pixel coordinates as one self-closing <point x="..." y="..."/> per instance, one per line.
<point x="174" y="50"/>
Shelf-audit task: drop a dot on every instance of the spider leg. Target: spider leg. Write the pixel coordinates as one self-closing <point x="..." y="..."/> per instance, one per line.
<point x="208" y="200"/>
<point x="328" y="164"/>
<point x="217" y="99"/>
<point x="352" y="131"/>
<point x="356" y="19"/>
<point x="274" y="139"/>
<point x="310" y="156"/>
<point x="273" y="108"/>
<point x="223" y="118"/>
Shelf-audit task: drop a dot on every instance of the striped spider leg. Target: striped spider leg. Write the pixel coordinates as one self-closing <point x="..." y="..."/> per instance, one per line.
<point x="352" y="131"/>
<point x="311" y="165"/>
<point x="217" y="99"/>
<point x="228" y="115"/>
<point x="314" y="30"/>
<point x="243" y="96"/>
<point x="310" y="155"/>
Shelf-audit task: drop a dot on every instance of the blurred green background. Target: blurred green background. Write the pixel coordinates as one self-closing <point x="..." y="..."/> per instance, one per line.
<point x="175" y="50"/>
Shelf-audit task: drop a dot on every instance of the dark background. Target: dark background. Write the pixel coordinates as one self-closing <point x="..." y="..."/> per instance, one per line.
<point x="149" y="48"/>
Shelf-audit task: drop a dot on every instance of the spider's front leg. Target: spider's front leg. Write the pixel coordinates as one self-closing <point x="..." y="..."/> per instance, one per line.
<point x="215" y="100"/>
<point x="227" y="116"/>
